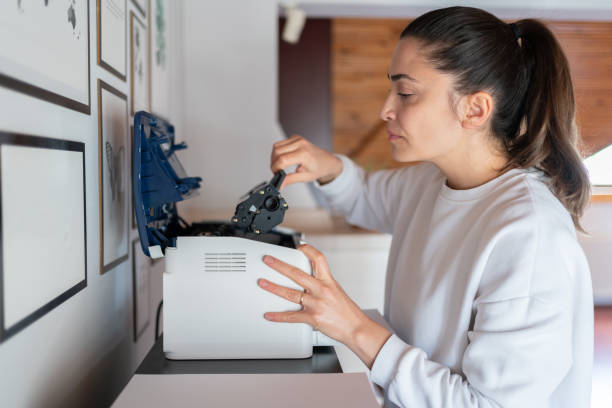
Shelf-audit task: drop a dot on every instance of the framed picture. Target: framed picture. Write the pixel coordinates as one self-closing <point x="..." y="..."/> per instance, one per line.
<point x="141" y="5"/>
<point x="58" y="71"/>
<point x="113" y="161"/>
<point x="141" y="273"/>
<point x="139" y="82"/>
<point x="112" y="35"/>
<point x="159" y="75"/>
<point x="43" y="221"/>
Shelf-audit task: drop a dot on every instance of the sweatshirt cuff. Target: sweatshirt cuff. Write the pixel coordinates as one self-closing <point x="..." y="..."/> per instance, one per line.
<point x="386" y="363"/>
<point x="343" y="181"/>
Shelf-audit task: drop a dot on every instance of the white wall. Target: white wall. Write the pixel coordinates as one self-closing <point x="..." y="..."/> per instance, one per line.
<point x="230" y="101"/>
<point x="597" y="221"/>
<point x="82" y="353"/>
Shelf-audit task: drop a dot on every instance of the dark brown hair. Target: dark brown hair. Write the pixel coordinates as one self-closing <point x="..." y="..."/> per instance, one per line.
<point x="525" y="70"/>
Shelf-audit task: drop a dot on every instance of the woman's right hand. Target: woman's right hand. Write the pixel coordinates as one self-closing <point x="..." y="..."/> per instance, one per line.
<point x="313" y="163"/>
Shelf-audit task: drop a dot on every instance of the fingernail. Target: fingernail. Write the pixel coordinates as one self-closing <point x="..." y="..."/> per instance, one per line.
<point x="267" y="316"/>
<point x="263" y="283"/>
<point x="268" y="259"/>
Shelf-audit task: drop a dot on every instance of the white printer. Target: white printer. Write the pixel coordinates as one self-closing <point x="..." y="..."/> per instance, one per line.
<point x="213" y="308"/>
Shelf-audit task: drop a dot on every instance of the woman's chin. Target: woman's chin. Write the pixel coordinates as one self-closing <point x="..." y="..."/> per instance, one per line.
<point x="402" y="155"/>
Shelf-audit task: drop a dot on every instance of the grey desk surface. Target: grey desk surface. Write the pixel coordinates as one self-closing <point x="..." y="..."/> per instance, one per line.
<point x="323" y="360"/>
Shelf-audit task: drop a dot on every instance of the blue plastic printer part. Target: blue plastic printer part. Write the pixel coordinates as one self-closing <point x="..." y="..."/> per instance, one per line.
<point x="159" y="180"/>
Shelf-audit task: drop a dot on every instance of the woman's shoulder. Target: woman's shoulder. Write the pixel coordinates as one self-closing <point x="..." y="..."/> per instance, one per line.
<point x="532" y="245"/>
<point x="526" y="198"/>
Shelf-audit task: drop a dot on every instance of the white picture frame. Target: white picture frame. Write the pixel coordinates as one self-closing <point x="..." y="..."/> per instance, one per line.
<point x="44" y="254"/>
<point x="112" y="36"/>
<point x="159" y="63"/>
<point x="139" y="73"/>
<point x="113" y="162"/>
<point x="59" y="70"/>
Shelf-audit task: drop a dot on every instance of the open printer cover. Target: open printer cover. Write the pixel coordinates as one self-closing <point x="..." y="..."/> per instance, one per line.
<point x="213" y="308"/>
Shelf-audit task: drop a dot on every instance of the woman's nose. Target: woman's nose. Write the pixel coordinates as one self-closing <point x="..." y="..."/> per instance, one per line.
<point x="386" y="112"/>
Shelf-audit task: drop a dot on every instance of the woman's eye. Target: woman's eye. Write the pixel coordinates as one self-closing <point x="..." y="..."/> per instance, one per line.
<point x="404" y="96"/>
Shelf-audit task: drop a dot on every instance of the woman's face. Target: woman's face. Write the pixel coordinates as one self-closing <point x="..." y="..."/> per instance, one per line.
<point x="421" y="122"/>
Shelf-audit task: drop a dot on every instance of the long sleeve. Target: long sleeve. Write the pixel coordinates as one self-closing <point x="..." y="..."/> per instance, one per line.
<point x="520" y="345"/>
<point x="510" y="362"/>
<point x="371" y="199"/>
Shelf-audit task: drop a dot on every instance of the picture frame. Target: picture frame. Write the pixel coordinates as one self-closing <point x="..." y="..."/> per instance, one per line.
<point x="133" y="212"/>
<point x="139" y="81"/>
<point x="60" y="75"/>
<point x="113" y="181"/>
<point x="141" y="6"/>
<point x="141" y="289"/>
<point x="159" y="75"/>
<point x="111" y="17"/>
<point x="32" y="286"/>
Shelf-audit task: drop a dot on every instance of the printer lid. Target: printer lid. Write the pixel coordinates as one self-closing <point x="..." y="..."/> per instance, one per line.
<point x="159" y="181"/>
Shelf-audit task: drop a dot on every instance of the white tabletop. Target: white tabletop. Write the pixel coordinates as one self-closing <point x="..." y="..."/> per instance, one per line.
<point x="248" y="390"/>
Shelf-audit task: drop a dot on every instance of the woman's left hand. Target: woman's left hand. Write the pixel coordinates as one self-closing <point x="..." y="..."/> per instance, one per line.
<point x="325" y="305"/>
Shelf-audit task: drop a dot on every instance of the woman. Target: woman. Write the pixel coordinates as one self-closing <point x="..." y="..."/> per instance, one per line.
<point x="488" y="290"/>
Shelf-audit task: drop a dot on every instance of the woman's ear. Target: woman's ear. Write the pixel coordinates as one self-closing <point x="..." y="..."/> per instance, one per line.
<point x="476" y="109"/>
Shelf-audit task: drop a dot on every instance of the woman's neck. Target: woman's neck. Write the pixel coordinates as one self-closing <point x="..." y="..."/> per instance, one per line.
<point x="473" y="165"/>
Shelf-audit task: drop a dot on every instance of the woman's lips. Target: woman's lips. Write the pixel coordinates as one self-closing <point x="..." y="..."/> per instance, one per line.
<point x="393" y="136"/>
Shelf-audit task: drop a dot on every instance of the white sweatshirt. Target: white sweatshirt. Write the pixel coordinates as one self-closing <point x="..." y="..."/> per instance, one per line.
<point x="487" y="289"/>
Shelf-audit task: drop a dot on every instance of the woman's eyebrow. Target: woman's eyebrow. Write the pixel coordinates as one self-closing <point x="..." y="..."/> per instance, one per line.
<point x="397" y="77"/>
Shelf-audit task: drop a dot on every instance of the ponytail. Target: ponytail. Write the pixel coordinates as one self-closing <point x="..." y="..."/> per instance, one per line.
<point x="523" y="66"/>
<point x="550" y="138"/>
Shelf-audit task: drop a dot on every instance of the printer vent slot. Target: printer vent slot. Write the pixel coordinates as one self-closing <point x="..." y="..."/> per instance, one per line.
<point x="225" y="262"/>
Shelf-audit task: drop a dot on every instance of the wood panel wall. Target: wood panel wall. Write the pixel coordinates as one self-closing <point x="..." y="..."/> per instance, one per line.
<point x="588" y="47"/>
<point x="361" y="52"/>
